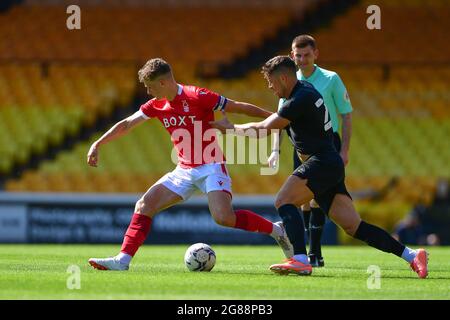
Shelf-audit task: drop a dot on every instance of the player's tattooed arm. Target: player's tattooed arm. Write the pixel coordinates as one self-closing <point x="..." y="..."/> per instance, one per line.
<point x="246" y="108"/>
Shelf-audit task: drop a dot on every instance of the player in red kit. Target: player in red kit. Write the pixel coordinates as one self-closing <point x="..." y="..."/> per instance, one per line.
<point x="185" y="111"/>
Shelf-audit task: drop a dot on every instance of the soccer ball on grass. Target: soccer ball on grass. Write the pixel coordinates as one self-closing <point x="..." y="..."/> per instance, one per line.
<point x="200" y="257"/>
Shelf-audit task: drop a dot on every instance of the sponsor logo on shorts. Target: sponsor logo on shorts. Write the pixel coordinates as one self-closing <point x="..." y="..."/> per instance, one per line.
<point x="319" y="102"/>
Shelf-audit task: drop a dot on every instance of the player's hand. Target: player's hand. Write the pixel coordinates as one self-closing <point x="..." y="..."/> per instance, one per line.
<point x="344" y="156"/>
<point x="273" y="159"/>
<point x="92" y="156"/>
<point x="222" y="124"/>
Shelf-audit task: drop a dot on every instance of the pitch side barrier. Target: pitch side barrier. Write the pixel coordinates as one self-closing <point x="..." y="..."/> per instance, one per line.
<point x="104" y="218"/>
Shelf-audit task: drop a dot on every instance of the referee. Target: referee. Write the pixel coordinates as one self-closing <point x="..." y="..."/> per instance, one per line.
<point x="329" y="84"/>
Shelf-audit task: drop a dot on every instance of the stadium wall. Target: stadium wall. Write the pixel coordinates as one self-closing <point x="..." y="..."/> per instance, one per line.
<point x="103" y="218"/>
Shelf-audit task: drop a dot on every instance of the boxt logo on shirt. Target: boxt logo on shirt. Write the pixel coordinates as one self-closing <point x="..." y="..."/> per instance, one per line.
<point x="178" y="121"/>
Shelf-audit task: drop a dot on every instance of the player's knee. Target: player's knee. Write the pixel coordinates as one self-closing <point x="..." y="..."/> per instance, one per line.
<point x="278" y="202"/>
<point x="349" y="228"/>
<point x="282" y="200"/>
<point x="313" y="204"/>
<point x="286" y="198"/>
<point x="306" y="207"/>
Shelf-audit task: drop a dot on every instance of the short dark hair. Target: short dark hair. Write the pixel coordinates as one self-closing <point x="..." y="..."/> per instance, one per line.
<point x="154" y="68"/>
<point x="303" y="41"/>
<point x="279" y="64"/>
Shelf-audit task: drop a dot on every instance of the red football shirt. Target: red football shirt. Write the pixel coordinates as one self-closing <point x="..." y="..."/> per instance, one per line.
<point x="186" y="118"/>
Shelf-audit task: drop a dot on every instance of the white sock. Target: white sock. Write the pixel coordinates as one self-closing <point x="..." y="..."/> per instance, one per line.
<point x="276" y="231"/>
<point x="303" y="258"/>
<point x="409" y="254"/>
<point x="124" y="258"/>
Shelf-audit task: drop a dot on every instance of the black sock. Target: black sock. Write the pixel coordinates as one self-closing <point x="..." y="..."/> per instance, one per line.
<point x="306" y="218"/>
<point x="315" y="231"/>
<point x="378" y="238"/>
<point x="295" y="229"/>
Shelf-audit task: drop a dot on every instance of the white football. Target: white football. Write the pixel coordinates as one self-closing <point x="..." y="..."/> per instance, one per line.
<point x="200" y="257"/>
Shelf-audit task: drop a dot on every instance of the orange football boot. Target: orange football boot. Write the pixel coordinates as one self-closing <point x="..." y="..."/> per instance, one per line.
<point x="292" y="266"/>
<point x="420" y="263"/>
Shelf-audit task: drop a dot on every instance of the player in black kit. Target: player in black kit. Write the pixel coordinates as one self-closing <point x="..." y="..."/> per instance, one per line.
<point x="321" y="174"/>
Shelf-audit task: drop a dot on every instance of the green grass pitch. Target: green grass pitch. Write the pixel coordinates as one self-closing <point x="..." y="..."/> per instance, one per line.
<point x="241" y="272"/>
